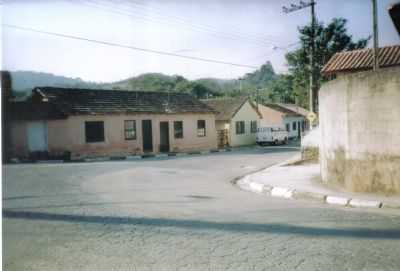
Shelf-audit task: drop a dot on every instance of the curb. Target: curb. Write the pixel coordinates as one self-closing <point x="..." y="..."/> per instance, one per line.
<point x="246" y="184"/>
<point x="129" y="157"/>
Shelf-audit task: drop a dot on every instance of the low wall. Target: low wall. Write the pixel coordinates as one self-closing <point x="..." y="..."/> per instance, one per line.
<point x="360" y="131"/>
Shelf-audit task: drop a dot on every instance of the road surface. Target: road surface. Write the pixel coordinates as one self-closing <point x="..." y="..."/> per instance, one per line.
<point x="181" y="214"/>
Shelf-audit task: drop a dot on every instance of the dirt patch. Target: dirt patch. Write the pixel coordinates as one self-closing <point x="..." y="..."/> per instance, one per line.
<point x="373" y="174"/>
<point x="310" y="154"/>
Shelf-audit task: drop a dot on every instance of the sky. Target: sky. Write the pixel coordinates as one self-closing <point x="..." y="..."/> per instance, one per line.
<point x="248" y="33"/>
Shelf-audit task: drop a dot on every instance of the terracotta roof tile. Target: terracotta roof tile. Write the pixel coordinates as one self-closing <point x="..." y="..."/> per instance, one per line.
<point x="358" y="60"/>
<point x="226" y="107"/>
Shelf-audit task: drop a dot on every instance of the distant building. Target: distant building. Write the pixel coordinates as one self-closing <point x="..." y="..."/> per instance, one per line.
<point x="283" y="115"/>
<point x="236" y="121"/>
<point x="359" y="116"/>
<point x="85" y="122"/>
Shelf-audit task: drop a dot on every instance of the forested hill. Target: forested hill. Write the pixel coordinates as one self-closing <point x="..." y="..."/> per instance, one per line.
<point x="24" y="81"/>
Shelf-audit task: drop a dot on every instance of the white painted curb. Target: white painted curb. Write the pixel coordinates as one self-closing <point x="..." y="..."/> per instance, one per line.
<point x="282" y="192"/>
<point x="161" y="155"/>
<point x="133" y="157"/>
<point x="256" y="187"/>
<point x="50" y="161"/>
<point x="337" y="200"/>
<point x="97" y="159"/>
<point x="365" y="203"/>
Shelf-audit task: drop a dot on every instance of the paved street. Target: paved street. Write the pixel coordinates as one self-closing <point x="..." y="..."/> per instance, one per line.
<point x="181" y="213"/>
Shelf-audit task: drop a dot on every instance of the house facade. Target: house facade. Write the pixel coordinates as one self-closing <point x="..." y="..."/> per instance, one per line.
<point x="236" y="121"/>
<point x="88" y="123"/>
<point x="277" y="114"/>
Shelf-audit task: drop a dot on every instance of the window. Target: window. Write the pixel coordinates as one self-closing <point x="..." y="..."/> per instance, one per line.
<point x="288" y="127"/>
<point x="201" y="128"/>
<point x="178" y="129"/>
<point x="253" y="126"/>
<point x="294" y="126"/>
<point x="239" y="127"/>
<point x="130" y="129"/>
<point x="94" y="131"/>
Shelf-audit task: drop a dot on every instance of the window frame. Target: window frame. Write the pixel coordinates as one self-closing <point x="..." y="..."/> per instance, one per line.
<point x="128" y="130"/>
<point x="175" y="129"/>
<point x="89" y="138"/>
<point x="238" y="127"/>
<point x="203" y="134"/>
<point x="253" y="126"/>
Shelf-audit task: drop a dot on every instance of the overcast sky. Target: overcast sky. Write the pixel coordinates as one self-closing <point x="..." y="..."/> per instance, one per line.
<point x="242" y="32"/>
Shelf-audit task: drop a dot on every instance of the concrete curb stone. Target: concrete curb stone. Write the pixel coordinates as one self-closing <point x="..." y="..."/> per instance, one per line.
<point x="282" y="192"/>
<point x="245" y="183"/>
<point x="365" y="203"/>
<point x="309" y="195"/>
<point x="337" y="200"/>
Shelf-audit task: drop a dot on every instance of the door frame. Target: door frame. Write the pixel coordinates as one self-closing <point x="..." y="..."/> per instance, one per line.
<point x="147" y="139"/>
<point x="45" y="135"/>
<point x="167" y="147"/>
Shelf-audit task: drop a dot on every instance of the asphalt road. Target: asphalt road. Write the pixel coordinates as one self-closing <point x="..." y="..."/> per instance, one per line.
<point x="181" y="214"/>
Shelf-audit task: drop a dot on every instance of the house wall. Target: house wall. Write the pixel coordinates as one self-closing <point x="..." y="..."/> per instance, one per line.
<point x="270" y="116"/>
<point x="69" y="135"/>
<point x="221" y="125"/>
<point x="247" y="114"/>
<point x="289" y="120"/>
<point x="360" y="131"/>
<point x="273" y="117"/>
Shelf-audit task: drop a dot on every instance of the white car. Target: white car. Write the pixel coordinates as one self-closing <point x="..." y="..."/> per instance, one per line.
<point x="272" y="135"/>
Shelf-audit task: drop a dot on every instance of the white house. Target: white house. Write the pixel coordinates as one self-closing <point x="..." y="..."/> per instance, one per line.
<point x="280" y="114"/>
<point x="236" y="121"/>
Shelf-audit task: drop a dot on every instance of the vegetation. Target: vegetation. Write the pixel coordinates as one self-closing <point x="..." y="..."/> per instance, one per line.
<point x="264" y="82"/>
<point x="329" y="39"/>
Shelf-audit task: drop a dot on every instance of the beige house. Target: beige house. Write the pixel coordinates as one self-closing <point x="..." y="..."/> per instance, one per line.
<point x="85" y="123"/>
<point x="283" y="115"/>
<point x="236" y="121"/>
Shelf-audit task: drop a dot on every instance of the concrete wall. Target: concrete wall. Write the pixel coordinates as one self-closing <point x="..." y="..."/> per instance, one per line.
<point x="360" y="131"/>
<point x="247" y="114"/>
<point x="69" y="135"/>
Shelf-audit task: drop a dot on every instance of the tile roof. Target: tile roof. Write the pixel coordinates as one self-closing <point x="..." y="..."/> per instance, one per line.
<point x="282" y="109"/>
<point x="72" y="101"/>
<point x="358" y="60"/>
<point x="226" y="107"/>
<point x="295" y="108"/>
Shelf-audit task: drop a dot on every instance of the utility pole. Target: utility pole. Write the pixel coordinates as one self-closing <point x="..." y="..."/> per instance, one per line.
<point x="292" y="8"/>
<point x="375" y="31"/>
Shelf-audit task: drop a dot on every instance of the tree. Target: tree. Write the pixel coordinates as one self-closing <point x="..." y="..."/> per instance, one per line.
<point x="329" y="40"/>
<point x="281" y="90"/>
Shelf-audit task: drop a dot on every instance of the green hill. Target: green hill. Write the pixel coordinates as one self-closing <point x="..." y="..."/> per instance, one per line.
<point x="24" y="81"/>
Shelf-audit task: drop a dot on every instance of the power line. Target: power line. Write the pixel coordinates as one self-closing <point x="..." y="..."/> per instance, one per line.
<point x="127" y="46"/>
<point x="247" y="34"/>
<point x="174" y="21"/>
<point x="312" y="92"/>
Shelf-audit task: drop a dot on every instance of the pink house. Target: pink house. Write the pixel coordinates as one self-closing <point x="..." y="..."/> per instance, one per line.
<point x="87" y="122"/>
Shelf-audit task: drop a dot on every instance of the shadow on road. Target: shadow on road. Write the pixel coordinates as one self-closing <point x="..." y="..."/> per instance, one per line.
<point x="274" y="228"/>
